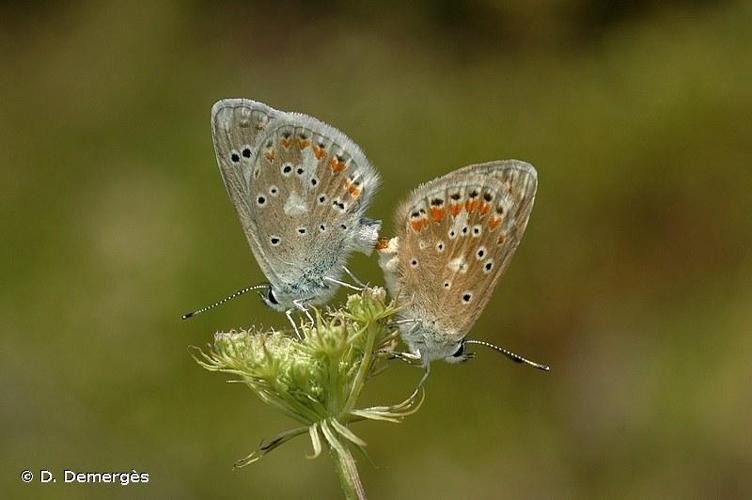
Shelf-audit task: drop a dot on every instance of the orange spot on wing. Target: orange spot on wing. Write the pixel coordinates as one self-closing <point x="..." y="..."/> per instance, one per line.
<point x="502" y="238"/>
<point x="471" y="205"/>
<point x="494" y="223"/>
<point x="484" y="208"/>
<point x="419" y="224"/>
<point x="285" y="143"/>
<point x="455" y="208"/>
<point x="336" y="165"/>
<point x="302" y="144"/>
<point x="318" y="152"/>
<point x="269" y="155"/>
<point x="437" y="214"/>
<point x="351" y="188"/>
<point x="381" y="244"/>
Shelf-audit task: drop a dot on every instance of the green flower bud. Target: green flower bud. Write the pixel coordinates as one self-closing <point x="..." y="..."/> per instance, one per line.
<point x="318" y="379"/>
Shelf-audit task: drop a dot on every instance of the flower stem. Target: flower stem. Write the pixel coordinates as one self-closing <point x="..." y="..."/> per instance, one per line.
<point x="363" y="369"/>
<point x="347" y="472"/>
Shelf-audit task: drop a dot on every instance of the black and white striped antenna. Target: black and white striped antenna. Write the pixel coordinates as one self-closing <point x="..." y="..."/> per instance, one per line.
<point x="222" y="301"/>
<point x="509" y="354"/>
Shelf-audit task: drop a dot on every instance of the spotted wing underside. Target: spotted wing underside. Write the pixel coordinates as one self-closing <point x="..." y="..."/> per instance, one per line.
<point x="457" y="235"/>
<point x="300" y="188"/>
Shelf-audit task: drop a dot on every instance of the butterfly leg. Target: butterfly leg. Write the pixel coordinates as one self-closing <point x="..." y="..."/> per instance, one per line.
<point x="299" y="304"/>
<point x="407" y="357"/>
<point x="423" y="379"/>
<point x="288" y="313"/>
<point x="354" y="278"/>
<point x="342" y="283"/>
<point x="405" y="322"/>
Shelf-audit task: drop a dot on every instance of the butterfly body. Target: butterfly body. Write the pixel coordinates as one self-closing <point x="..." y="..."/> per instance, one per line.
<point x="455" y="238"/>
<point x="300" y="189"/>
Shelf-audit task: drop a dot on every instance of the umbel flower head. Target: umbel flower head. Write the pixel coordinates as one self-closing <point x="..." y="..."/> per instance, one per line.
<point x="317" y="379"/>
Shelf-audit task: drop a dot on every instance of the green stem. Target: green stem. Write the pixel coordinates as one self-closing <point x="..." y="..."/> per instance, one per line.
<point x="363" y="369"/>
<point x="347" y="472"/>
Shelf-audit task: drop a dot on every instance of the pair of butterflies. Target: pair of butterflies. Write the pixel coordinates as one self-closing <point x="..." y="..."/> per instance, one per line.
<point x="301" y="189"/>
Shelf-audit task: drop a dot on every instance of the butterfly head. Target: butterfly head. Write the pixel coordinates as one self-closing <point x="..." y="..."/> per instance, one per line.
<point x="460" y="355"/>
<point x="433" y="343"/>
<point x="276" y="299"/>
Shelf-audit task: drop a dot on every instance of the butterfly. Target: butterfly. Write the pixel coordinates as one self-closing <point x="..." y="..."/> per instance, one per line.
<point x="455" y="238"/>
<point x="300" y="189"/>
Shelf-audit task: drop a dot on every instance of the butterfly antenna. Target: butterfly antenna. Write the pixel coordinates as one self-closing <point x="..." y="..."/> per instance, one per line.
<point x="514" y="357"/>
<point x="222" y="301"/>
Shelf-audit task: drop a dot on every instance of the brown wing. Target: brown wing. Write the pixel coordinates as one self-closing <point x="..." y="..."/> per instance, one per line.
<point x="457" y="235"/>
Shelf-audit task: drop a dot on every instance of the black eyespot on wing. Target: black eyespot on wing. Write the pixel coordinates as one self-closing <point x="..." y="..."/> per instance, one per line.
<point x="270" y="297"/>
<point x="235" y="158"/>
<point x="246" y="152"/>
<point x="455" y="196"/>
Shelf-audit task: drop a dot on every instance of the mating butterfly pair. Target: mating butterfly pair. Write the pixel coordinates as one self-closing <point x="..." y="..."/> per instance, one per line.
<point x="301" y="189"/>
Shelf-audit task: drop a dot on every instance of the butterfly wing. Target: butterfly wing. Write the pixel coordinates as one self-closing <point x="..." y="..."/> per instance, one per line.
<point x="300" y="188"/>
<point x="456" y="237"/>
<point x="237" y="125"/>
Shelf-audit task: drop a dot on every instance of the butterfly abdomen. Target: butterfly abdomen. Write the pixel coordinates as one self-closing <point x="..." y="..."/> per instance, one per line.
<point x="367" y="235"/>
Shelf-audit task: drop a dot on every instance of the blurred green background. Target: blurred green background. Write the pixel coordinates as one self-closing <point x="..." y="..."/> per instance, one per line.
<point x="634" y="280"/>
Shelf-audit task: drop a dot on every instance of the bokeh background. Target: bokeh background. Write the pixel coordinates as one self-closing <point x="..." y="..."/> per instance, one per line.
<point x="634" y="280"/>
